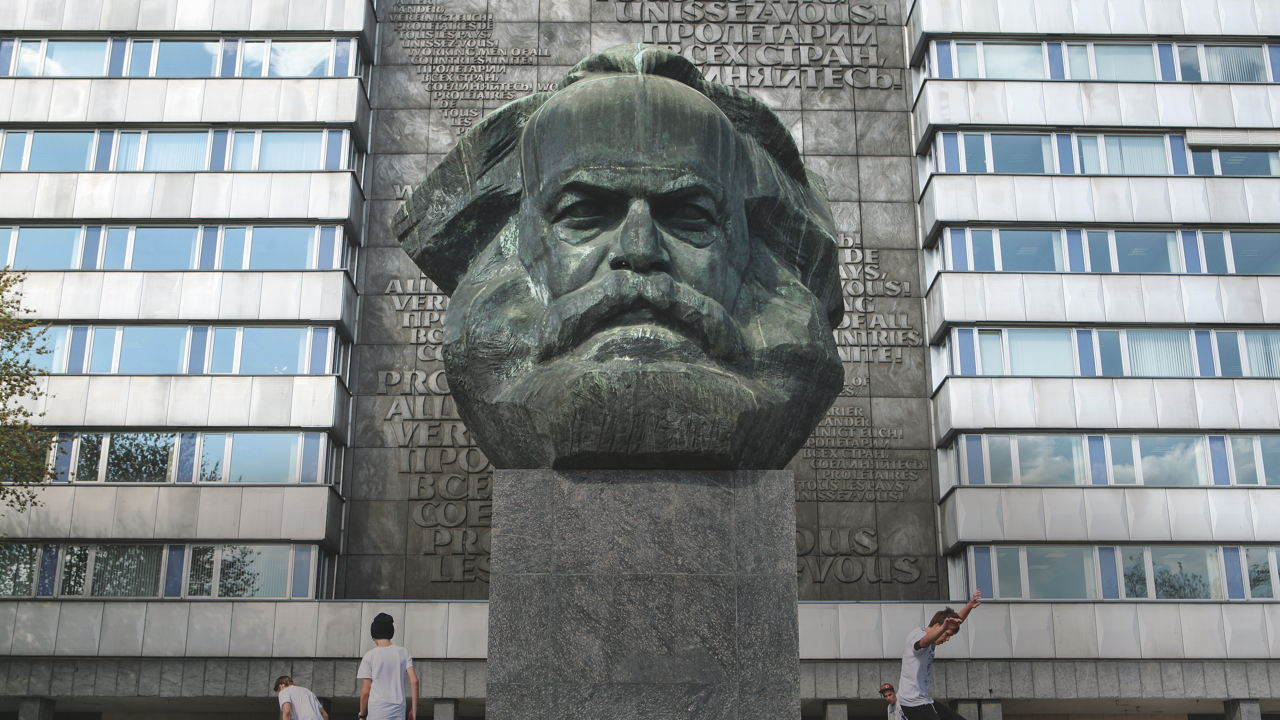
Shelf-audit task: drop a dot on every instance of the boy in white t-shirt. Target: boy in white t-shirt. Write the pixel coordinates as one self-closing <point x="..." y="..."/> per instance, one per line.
<point x="298" y="703"/>
<point x="383" y="669"/>
<point x="917" y="662"/>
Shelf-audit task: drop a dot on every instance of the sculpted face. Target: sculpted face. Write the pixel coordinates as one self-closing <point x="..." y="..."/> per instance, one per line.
<point x="642" y="238"/>
<point x="628" y="311"/>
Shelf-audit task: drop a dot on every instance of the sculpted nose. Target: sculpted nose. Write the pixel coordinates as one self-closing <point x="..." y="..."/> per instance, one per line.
<point x="639" y="245"/>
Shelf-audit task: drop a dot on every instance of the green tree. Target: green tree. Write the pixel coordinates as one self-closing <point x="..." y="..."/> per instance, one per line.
<point x="24" y="448"/>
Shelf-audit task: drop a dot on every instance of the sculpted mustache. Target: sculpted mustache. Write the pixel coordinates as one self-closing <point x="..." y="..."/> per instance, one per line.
<point x="574" y="317"/>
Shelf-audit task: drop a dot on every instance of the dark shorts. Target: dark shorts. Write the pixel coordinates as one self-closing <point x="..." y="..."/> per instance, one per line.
<point x="936" y="711"/>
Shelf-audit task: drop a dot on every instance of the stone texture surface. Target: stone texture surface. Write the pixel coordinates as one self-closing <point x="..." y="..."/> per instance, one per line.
<point x="871" y="204"/>
<point x="986" y="681"/>
<point x="621" y="594"/>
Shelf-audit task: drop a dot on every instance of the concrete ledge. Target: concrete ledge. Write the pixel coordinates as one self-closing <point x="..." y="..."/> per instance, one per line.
<point x="168" y="512"/>
<point x="218" y="677"/>
<point x="1065" y="683"/>
<point x="1115" y="514"/>
<point x="182" y="402"/>
<point x="302" y="629"/>
<point x="187" y="15"/>
<point x="1064" y="17"/>
<point x="1007" y="404"/>
<point x="1050" y="630"/>
<point x="236" y="628"/>
<point x="1111" y="199"/>
<point x="1100" y="104"/>
<point x="971" y="297"/>
<point x="243" y="196"/>
<point x="334" y="101"/>
<point x="1074" y="681"/>
<point x="325" y="296"/>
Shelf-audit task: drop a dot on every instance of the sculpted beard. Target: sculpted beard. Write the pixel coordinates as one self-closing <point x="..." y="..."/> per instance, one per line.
<point x="623" y="297"/>
<point x="557" y="365"/>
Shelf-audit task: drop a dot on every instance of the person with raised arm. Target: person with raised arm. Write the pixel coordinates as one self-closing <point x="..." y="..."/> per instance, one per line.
<point x="917" y="662"/>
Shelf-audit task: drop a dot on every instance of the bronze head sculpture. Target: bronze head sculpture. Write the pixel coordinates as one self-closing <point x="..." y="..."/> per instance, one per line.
<point x="642" y="274"/>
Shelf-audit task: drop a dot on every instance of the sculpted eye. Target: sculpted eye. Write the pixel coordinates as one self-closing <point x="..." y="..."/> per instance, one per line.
<point x="582" y="210"/>
<point x="690" y="212"/>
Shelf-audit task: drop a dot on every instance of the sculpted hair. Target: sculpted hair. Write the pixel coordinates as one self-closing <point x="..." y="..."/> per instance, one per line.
<point x="472" y="197"/>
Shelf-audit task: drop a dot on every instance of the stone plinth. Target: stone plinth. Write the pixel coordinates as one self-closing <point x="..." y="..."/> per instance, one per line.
<point x="643" y="594"/>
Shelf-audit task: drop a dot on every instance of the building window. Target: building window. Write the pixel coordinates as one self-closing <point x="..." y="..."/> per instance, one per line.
<point x="197" y="350"/>
<point x="1058" y="153"/>
<point x="1232" y="161"/>
<point x="172" y="151"/>
<point x="1169" y="572"/>
<point x="18" y="563"/>
<point x="117" y="57"/>
<point x="153" y="571"/>
<point x="58" y="151"/>
<point x="184" y="58"/>
<point x="1157" y="460"/>
<point x="174" y="248"/>
<point x="1078" y="250"/>
<point x="1134" y="352"/>
<point x="1132" y="62"/>
<point x="261" y="458"/>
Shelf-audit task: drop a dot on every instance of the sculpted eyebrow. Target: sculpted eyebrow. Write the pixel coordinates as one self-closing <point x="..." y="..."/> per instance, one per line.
<point x="581" y="190"/>
<point x="693" y="184"/>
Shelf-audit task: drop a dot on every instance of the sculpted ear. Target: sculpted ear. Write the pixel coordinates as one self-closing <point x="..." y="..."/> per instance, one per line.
<point x="805" y="244"/>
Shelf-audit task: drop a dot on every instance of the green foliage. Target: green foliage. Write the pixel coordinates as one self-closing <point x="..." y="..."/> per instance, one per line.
<point x="24" y="447"/>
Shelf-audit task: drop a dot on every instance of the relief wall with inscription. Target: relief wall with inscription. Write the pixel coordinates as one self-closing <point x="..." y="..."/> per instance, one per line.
<point x="418" y="488"/>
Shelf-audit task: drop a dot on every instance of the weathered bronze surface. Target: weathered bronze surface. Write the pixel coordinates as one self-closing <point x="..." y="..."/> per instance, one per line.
<point x="643" y="274"/>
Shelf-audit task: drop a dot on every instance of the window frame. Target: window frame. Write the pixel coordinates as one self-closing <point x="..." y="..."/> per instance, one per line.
<point x="61" y="547"/>
<point x="349" y="154"/>
<point x="327" y="468"/>
<point x="90" y="567"/>
<point x="12" y="70"/>
<point x="332" y="349"/>
<point x="949" y="264"/>
<point x="932" y="65"/>
<point x="952" y="348"/>
<point x="216" y="575"/>
<point x="960" y="447"/>
<point x="331" y="71"/>
<point x="969" y="563"/>
<point x="339" y="261"/>
<point x="936" y="163"/>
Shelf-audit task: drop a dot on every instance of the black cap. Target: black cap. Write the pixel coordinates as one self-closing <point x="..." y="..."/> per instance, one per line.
<point x="383" y="627"/>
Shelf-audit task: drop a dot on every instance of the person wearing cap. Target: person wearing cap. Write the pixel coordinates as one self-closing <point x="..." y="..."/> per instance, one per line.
<point x="917" y="662"/>
<point x="298" y="703"/>
<point x="891" y="696"/>
<point x="383" y="669"/>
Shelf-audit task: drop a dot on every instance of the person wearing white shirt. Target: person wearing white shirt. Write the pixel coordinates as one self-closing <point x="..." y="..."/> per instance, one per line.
<point x="917" y="662"/>
<point x="298" y="703"/>
<point x="891" y="696"/>
<point x="383" y="669"/>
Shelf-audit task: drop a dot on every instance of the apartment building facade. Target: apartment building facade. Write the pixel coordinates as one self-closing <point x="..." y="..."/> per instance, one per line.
<point x="1060" y="240"/>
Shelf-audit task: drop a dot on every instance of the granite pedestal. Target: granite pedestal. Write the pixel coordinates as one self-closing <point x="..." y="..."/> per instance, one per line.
<point x="643" y="594"/>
